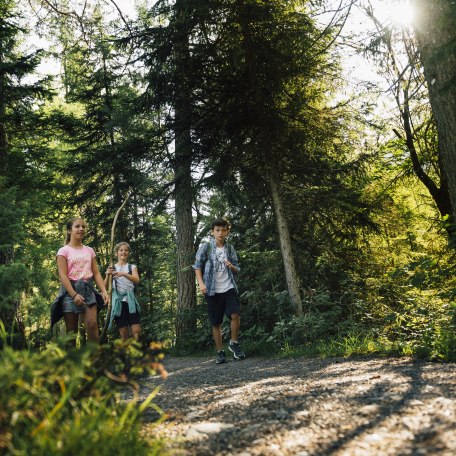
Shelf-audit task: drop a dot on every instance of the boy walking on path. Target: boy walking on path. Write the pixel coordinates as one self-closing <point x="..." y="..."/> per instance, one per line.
<point x="215" y="265"/>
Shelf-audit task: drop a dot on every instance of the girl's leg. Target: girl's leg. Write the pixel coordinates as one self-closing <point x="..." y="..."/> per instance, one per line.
<point x="71" y="322"/>
<point x="135" y="331"/>
<point x="71" y="325"/>
<point x="124" y="333"/>
<point x="91" y="324"/>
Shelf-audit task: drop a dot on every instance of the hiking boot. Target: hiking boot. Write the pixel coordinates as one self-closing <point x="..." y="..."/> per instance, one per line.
<point x="221" y="357"/>
<point x="235" y="348"/>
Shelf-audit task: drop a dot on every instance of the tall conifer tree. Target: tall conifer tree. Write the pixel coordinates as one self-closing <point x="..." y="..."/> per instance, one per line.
<point x="19" y="178"/>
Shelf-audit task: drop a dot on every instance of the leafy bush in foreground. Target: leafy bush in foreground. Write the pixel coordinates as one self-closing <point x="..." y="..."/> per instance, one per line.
<point x="68" y="402"/>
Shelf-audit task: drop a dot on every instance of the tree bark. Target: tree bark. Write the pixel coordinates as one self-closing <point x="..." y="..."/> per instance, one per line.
<point x="3" y="135"/>
<point x="291" y="274"/>
<point x="183" y="191"/>
<point x="436" y="32"/>
<point x="440" y="195"/>
<point x="285" y="244"/>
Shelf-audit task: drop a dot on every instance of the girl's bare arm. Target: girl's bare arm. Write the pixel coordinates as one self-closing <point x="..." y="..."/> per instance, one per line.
<point x="62" y="267"/>
<point x="99" y="280"/>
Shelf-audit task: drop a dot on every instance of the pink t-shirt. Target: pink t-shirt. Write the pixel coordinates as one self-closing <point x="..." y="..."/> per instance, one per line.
<point x="79" y="261"/>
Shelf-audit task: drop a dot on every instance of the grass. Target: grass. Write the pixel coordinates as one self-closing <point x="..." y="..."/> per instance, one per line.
<point x="58" y="401"/>
<point x="358" y="344"/>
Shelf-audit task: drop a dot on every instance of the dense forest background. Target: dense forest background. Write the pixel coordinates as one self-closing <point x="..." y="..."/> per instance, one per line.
<point x="339" y="191"/>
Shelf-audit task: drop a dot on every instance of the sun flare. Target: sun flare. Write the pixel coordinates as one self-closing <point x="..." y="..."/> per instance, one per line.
<point x="400" y="12"/>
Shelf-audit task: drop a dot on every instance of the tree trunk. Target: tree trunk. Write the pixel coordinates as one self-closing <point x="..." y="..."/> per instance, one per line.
<point x="186" y="290"/>
<point x="273" y="176"/>
<point x="285" y="244"/>
<point x="440" y="195"/>
<point x="3" y="135"/>
<point x="436" y="32"/>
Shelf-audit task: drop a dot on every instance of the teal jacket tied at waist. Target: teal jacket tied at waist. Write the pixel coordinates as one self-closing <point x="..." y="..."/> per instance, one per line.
<point x="117" y="298"/>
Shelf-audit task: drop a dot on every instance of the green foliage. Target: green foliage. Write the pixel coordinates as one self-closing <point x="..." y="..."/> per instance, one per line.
<point x="56" y="402"/>
<point x="13" y="279"/>
<point x="22" y="156"/>
<point x="13" y="275"/>
<point x="352" y="344"/>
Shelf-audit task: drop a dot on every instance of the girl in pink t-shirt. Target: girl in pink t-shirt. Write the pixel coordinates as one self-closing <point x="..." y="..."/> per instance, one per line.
<point x="78" y="267"/>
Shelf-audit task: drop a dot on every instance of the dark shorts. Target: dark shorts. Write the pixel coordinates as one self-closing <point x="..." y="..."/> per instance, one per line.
<point x="222" y="304"/>
<point x="126" y="318"/>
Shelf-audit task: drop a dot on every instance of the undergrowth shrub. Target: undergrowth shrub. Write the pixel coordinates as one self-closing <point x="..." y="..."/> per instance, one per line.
<point x="69" y="402"/>
<point x="409" y="322"/>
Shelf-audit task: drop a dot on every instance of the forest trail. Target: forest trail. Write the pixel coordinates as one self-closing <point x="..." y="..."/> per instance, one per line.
<point x="307" y="407"/>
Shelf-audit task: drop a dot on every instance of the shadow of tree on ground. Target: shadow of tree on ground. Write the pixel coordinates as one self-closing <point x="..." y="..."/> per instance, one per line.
<point x="263" y="406"/>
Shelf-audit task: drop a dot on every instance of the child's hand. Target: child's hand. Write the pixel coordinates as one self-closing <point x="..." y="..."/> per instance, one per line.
<point x="229" y="265"/>
<point x="114" y="273"/>
<point x="105" y="296"/>
<point x="203" y="288"/>
<point x="78" y="300"/>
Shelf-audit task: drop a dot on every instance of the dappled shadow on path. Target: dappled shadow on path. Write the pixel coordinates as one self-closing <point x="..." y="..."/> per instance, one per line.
<point x="309" y="407"/>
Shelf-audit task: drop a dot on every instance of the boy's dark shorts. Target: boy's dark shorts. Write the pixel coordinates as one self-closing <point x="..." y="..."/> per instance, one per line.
<point x="126" y="318"/>
<point x="222" y="304"/>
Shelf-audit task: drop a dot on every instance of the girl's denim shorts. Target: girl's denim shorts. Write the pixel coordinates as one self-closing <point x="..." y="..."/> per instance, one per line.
<point x="85" y="289"/>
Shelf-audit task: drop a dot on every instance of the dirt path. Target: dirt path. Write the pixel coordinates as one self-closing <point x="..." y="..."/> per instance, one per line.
<point x="305" y="407"/>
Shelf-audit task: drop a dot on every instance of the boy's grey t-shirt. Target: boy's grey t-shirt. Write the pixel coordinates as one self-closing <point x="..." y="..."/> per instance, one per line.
<point x="222" y="279"/>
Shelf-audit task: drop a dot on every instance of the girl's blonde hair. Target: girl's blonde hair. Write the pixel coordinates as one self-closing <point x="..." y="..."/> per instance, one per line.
<point x="120" y="244"/>
<point x="69" y="226"/>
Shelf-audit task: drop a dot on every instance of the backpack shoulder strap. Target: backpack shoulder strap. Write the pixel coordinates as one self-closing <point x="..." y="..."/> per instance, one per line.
<point x="229" y="248"/>
<point x="207" y="251"/>
<point x="130" y="271"/>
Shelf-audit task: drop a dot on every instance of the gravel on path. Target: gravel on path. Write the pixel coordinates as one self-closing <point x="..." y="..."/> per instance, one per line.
<point x="306" y="407"/>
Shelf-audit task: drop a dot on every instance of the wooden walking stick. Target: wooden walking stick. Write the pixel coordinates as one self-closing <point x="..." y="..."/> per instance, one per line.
<point x="111" y="264"/>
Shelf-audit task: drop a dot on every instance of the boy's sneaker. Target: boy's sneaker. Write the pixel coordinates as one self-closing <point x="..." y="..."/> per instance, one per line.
<point x="235" y="348"/>
<point x="221" y="357"/>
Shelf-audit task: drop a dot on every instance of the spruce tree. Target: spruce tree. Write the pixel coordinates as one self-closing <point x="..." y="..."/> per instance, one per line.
<point x="20" y="118"/>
